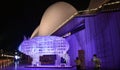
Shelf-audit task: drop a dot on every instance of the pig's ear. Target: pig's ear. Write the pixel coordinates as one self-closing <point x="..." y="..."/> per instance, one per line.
<point x="25" y="38"/>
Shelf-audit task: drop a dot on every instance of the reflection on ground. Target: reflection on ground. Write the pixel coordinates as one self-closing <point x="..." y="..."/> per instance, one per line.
<point x="17" y="66"/>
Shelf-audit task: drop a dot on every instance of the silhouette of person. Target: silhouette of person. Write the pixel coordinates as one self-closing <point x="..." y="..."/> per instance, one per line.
<point x="96" y="62"/>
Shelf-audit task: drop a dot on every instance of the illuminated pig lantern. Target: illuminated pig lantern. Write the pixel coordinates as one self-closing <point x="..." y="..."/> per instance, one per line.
<point x="45" y="45"/>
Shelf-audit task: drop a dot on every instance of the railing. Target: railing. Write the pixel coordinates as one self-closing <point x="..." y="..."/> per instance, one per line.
<point x="113" y="6"/>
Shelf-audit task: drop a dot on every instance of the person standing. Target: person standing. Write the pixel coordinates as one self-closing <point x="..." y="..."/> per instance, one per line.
<point x="96" y="62"/>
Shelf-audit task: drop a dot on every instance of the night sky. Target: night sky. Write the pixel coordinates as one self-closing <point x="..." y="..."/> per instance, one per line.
<point x="21" y="17"/>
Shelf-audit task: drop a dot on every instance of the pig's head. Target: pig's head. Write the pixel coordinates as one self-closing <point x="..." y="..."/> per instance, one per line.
<point x="27" y="47"/>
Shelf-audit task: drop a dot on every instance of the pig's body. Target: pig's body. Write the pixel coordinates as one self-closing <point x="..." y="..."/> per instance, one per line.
<point x="44" y="45"/>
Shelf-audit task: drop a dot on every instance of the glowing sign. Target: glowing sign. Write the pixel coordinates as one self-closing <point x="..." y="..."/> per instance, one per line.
<point x="44" y="45"/>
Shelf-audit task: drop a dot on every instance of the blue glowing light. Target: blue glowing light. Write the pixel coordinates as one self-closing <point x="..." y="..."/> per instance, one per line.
<point x="17" y="57"/>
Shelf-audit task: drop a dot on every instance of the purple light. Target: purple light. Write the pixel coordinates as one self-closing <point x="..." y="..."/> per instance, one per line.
<point x="45" y="45"/>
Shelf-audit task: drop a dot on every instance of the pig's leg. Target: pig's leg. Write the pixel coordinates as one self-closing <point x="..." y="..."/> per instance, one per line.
<point x="67" y="58"/>
<point x="57" y="61"/>
<point x="35" y="61"/>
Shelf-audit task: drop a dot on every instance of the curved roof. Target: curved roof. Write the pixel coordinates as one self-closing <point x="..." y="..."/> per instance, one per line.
<point x="53" y="18"/>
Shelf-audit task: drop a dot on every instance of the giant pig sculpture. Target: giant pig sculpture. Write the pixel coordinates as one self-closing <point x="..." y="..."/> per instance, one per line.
<point x="45" y="45"/>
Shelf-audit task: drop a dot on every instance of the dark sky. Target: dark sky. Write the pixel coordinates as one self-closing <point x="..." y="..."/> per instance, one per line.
<point x="21" y="17"/>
